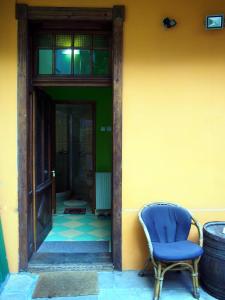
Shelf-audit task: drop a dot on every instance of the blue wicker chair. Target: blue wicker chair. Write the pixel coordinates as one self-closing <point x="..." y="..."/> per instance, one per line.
<point x="167" y="226"/>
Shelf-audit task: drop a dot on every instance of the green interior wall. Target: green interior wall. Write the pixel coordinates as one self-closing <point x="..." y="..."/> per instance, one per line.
<point x="4" y="270"/>
<point x="102" y="96"/>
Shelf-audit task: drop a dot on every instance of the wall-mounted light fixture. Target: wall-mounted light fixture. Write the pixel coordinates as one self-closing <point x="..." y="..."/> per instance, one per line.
<point x="214" y="22"/>
<point x="169" y="23"/>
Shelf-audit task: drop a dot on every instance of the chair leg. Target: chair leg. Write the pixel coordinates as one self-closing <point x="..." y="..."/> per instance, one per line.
<point x="142" y="272"/>
<point x="158" y="282"/>
<point x="195" y="280"/>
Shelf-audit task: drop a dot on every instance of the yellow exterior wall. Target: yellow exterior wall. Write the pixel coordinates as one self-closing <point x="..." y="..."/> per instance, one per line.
<point x="8" y="131"/>
<point x="173" y="114"/>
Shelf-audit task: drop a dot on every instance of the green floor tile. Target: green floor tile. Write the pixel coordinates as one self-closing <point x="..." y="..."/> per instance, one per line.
<point x="88" y="227"/>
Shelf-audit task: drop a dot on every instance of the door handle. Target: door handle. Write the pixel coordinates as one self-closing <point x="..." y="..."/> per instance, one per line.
<point x="53" y="173"/>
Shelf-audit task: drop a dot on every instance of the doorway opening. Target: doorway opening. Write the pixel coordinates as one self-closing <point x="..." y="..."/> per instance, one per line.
<point x="35" y="112"/>
<point x="81" y="207"/>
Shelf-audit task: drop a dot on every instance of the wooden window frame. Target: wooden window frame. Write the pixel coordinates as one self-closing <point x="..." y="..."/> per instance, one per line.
<point x="24" y="14"/>
<point x="35" y="49"/>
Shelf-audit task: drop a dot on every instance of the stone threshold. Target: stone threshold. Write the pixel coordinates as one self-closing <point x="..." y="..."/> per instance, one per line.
<point x="47" y="262"/>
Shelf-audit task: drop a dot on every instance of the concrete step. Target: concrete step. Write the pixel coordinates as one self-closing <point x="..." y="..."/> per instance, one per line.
<point x="70" y="267"/>
<point x="47" y="262"/>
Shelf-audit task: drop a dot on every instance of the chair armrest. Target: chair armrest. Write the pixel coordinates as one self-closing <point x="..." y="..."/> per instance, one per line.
<point x="200" y="232"/>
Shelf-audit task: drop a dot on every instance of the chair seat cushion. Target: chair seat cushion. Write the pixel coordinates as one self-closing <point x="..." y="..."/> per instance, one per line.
<point x="182" y="250"/>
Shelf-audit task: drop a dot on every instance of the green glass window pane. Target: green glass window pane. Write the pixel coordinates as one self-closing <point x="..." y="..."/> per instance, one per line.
<point x="101" y="62"/>
<point x="82" y="41"/>
<point x="44" y="40"/>
<point x="45" y="59"/>
<point x="101" y="41"/>
<point x="82" y="62"/>
<point x="63" y="41"/>
<point x="63" y="61"/>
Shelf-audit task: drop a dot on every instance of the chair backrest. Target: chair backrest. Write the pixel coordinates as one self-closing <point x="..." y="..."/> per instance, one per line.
<point x="166" y="222"/>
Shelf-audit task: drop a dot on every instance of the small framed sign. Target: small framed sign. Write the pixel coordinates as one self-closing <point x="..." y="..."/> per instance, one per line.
<point x="214" y="22"/>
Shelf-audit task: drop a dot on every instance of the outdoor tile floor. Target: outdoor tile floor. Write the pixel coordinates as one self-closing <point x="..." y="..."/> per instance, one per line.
<point x="112" y="286"/>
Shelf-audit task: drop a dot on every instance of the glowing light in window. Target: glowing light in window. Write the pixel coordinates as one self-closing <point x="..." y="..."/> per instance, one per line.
<point x="67" y="51"/>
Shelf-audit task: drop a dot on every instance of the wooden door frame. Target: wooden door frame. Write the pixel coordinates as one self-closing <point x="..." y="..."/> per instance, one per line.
<point x="24" y="14"/>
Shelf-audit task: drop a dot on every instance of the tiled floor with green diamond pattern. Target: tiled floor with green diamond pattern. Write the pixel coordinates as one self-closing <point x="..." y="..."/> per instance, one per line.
<point x="87" y="227"/>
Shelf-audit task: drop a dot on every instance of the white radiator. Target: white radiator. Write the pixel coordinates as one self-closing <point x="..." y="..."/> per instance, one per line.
<point x="103" y="190"/>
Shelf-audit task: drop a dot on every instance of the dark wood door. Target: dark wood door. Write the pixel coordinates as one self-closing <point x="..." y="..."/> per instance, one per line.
<point x="30" y="196"/>
<point x="43" y="173"/>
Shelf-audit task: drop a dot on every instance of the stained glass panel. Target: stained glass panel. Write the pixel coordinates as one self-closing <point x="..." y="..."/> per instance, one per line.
<point x="101" y="62"/>
<point x="82" y="62"/>
<point x="63" y="41"/>
<point x="63" y="61"/>
<point x="82" y="41"/>
<point x="100" y="41"/>
<point x="45" y="60"/>
<point x="44" y="40"/>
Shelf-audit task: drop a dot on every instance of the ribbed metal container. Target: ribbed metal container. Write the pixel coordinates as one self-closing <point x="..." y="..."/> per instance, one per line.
<point x="212" y="264"/>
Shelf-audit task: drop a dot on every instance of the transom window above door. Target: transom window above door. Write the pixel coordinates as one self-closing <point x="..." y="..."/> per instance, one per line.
<point x="72" y="55"/>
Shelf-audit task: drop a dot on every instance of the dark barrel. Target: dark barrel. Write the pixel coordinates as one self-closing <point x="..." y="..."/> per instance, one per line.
<point x="212" y="264"/>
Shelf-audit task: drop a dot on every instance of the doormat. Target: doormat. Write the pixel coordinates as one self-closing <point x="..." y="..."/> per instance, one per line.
<point x="75" y="203"/>
<point x="75" y="211"/>
<point x="66" y="284"/>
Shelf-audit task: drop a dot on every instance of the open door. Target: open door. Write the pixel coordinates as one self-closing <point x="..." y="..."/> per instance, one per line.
<point x="43" y="171"/>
